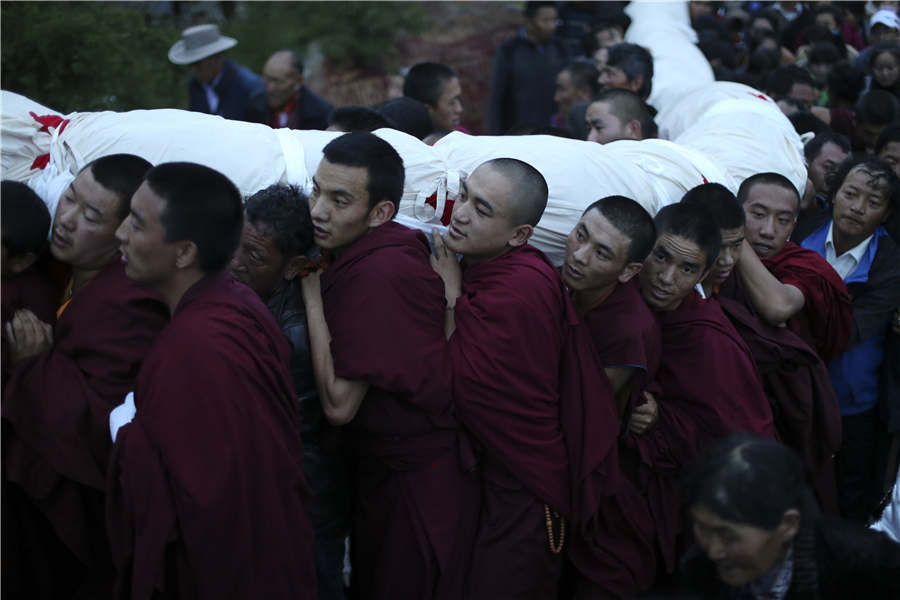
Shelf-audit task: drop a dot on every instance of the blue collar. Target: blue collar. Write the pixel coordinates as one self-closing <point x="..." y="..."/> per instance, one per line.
<point x="816" y="241"/>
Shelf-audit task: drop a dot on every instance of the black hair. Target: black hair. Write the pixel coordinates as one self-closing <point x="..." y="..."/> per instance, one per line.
<point x="845" y="83"/>
<point x="530" y="192"/>
<point x="381" y="162"/>
<point x="831" y="9"/>
<point x="720" y="50"/>
<point x="25" y="219"/>
<point x="356" y="118"/>
<point x="627" y="106"/>
<point x="885" y="47"/>
<point x="873" y="166"/>
<point x="283" y="210"/>
<point x="202" y="206"/>
<point x="584" y="75"/>
<point x="814" y="146"/>
<point x="823" y="52"/>
<point x="719" y="201"/>
<point x="804" y="121"/>
<point x="426" y="80"/>
<point x="768" y="178"/>
<point x="121" y="174"/>
<point x="634" y="61"/>
<point x="877" y="107"/>
<point x="693" y="223"/>
<point x="532" y="8"/>
<point x="407" y="115"/>
<point x="781" y="80"/>
<point x="631" y="219"/>
<point x="749" y="480"/>
<point x="890" y="134"/>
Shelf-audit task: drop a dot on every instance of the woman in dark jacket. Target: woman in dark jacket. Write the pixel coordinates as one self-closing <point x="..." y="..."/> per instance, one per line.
<point x="759" y="533"/>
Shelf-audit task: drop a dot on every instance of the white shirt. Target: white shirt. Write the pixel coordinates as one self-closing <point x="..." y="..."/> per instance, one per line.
<point x="847" y="262"/>
<point x="212" y="98"/>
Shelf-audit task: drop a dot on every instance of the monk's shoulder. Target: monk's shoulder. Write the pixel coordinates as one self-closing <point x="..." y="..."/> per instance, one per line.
<point x="623" y="324"/>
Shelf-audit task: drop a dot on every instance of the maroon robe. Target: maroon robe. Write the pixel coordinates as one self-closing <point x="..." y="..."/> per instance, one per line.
<point x="619" y="557"/>
<point x="205" y="492"/>
<point x="32" y="290"/>
<point x="416" y="504"/>
<point x="826" y="320"/>
<point x="805" y="408"/>
<point x="529" y="386"/>
<point x="56" y="409"/>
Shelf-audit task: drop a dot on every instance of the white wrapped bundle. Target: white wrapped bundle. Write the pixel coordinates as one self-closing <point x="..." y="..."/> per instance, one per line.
<point x="676" y="118"/>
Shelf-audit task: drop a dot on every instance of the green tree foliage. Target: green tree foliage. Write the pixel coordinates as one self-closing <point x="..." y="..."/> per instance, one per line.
<point x="88" y="56"/>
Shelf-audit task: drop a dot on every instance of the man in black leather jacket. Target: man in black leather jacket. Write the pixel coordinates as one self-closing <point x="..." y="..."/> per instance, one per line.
<point x="277" y="236"/>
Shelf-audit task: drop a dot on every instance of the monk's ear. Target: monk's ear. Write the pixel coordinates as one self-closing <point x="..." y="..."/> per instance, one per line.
<point x="634" y="130"/>
<point x="789" y="526"/>
<point x="295" y="265"/>
<point x="630" y="270"/>
<point x="17" y="264"/>
<point x="185" y="254"/>
<point x="381" y="213"/>
<point x="520" y="235"/>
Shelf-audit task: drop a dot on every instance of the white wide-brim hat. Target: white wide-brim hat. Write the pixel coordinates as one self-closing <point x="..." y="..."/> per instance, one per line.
<point x="197" y="43"/>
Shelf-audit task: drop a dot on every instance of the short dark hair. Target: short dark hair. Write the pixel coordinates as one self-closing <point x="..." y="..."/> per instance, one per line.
<point x="584" y="75"/>
<point x="426" y="80"/>
<point x="845" y="83"/>
<point x="781" y="80"/>
<point x="631" y="219"/>
<point x="768" y="178"/>
<point x="382" y="163"/>
<point x="25" y="219"/>
<point x="634" y="61"/>
<point x="693" y="223"/>
<point x="814" y="146"/>
<point x="627" y="106"/>
<point x="823" y="52"/>
<point x="890" y="134"/>
<point x="407" y="115"/>
<point x="121" y="174"/>
<point x="889" y="47"/>
<point x="749" y="480"/>
<point x="532" y="8"/>
<point x="804" y="121"/>
<point x="878" y="107"/>
<point x="202" y="206"/>
<point x="356" y="118"/>
<point x="719" y="201"/>
<point x="872" y="165"/>
<point x="283" y="210"/>
<point x="529" y="188"/>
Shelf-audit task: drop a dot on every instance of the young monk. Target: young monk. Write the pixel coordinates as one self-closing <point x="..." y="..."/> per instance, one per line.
<point x="794" y="377"/>
<point x="604" y="252"/>
<point x="206" y="491"/>
<point x="526" y="384"/>
<point x="382" y="370"/>
<point x="782" y="282"/>
<point x="65" y="380"/>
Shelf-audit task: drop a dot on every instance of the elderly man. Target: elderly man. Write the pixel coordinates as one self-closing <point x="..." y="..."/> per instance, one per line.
<point x="292" y="104"/>
<point x="218" y="85"/>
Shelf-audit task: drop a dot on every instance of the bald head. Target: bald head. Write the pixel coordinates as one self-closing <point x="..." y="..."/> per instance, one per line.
<point x="283" y="76"/>
<point x="528" y="187"/>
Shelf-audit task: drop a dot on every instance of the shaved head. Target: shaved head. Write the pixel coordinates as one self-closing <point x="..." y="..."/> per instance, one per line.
<point x="529" y="189"/>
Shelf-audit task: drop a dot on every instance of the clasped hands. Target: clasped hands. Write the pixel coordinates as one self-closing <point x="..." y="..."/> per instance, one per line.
<point x="27" y="335"/>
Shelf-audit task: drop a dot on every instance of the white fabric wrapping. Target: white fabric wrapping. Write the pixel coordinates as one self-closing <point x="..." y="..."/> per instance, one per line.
<point x="122" y="415"/>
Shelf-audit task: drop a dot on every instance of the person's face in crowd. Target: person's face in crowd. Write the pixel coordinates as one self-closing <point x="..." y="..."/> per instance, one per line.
<point x="339" y="205"/>
<point x="605" y="127"/>
<point x="759" y="27"/>
<point x="671" y="271"/>
<point x="609" y="36"/>
<point x="597" y="255"/>
<point x="891" y="155"/>
<point x="827" y="21"/>
<point x="803" y="95"/>
<point x="601" y="57"/>
<point x="729" y="256"/>
<point x="821" y="70"/>
<point x="542" y="25"/>
<point x="148" y="257"/>
<point x="886" y="69"/>
<point x="84" y="228"/>
<point x="771" y="212"/>
<point x="861" y="204"/>
<point x="882" y="33"/>
<point x="207" y="69"/>
<point x="614" y="77"/>
<point x="258" y="263"/>
<point x="565" y="92"/>
<point x="830" y="156"/>
<point x="742" y="553"/>
<point x="447" y="112"/>
<point x="481" y="226"/>
<point x="281" y="79"/>
<point x="868" y="134"/>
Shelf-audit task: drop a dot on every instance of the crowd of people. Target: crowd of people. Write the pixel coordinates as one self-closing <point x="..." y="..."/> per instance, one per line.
<point x="295" y="396"/>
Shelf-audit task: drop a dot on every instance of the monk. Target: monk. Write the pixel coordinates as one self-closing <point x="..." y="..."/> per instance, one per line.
<point x="782" y="282"/>
<point x="381" y="363"/>
<point x="65" y="381"/>
<point x="206" y="491"/>
<point x="526" y="383"/>
<point x="794" y="377"/>
<point x="604" y="252"/>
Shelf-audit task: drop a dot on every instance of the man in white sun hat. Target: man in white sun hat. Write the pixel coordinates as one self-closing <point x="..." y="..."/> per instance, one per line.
<point x="218" y="86"/>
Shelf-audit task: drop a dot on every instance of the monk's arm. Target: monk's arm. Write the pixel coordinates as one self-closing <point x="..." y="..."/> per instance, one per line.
<point x="447" y="267"/>
<point x="340" y="397"/>
<point x="619" y="378"/>
<point x="776" y="302"/>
